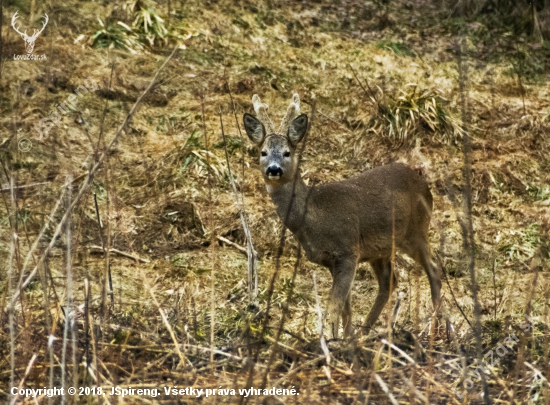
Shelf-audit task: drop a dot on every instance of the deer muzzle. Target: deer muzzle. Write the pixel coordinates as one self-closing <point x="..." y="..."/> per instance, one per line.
<point x="274" y="172"/>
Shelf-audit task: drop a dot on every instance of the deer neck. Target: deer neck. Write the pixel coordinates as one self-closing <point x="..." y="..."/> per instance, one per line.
<point x="293" y="195"/>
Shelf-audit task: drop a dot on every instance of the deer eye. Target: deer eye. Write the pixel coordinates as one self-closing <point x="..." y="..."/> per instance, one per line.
<point x="264" y="153"/>
<point x="286" y="154"/>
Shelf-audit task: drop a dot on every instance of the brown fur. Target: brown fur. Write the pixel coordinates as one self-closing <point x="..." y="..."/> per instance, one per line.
<point x="356" y="220"/>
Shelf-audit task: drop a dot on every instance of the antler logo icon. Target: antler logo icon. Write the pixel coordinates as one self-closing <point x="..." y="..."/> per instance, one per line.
<point x="29" y="40"/>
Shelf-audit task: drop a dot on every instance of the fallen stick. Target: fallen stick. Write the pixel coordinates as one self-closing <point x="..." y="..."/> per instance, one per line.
<point x="24" y="186"/>
<point x="6" y="188"/>
<point x="100" y="249"/>
<point x="236" y="246"/>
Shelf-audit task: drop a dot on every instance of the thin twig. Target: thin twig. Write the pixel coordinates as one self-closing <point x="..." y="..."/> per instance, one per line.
<point x="454" y="297"/>
<point x="10" y="285"/>
<point x="22" y="382"/>
<point x="183" y="358"/>
<point x="371" y="95"/>
<point x="100" y="226"/>
<point x="494" y="288"/>
<point x="87" y="182"/>
<point x="121" y="253"/>
<point x="468" y="233"/>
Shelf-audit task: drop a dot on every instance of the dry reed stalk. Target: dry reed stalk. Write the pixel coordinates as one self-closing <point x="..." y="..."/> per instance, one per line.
<point x="468" y="231"/>
<point x="212" y="234"/>
<point x="22" y="382"/>
<point x="454" y="201"/>
<point x="299" y="368"/>
<point x="183" y="358"/>
<point x="94" y="343"/>
<point x="546" y="344"/>
<point x="69" y="310"/>
<point x="49" y="324"/>
<point x="74" y="243"/>
<point x="385" y="388"/>
<point x="274" y="349"/>
<point x="86" y="349"/>
<point x="370" y="93"/>
<point x="493" y="270"/>
<point x="10" y="276"/>
<point x="251" y="253"/>
<point x="103" y="116"/>
<point x="108" y="262"/>
<point x="45" y="227"/>
<point x="107" y="283"/>
<point x="1" y="47"/>
<point x="519" y="371"/>
<point x="239" y="129"/>
<point x="87" y="181"/>
<point x="412" y="387"/>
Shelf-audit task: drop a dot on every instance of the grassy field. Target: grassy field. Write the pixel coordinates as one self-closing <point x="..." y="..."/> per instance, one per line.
<point x="122" y="248"/>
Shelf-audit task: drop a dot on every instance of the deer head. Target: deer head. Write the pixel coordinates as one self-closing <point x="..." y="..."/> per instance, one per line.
<point x="278" y="157"/>
<point x="29" y="40"/>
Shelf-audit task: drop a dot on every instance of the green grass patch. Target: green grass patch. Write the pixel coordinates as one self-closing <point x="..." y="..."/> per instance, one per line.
<point x="400" y="49"/>
<point x="522" y="244"/>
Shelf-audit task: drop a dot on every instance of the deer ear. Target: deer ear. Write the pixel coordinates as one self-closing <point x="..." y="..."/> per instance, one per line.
<point x="297" y="129"/>
<point x="254" y="128"/>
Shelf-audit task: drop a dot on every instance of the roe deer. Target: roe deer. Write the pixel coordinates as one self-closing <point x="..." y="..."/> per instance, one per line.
<point x="343" y="223"/>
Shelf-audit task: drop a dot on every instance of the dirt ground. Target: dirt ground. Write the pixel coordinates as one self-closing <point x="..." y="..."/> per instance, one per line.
<point x="168" y="304"/>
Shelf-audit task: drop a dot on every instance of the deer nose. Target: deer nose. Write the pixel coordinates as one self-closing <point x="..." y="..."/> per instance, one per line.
<point x="274" y="170"/>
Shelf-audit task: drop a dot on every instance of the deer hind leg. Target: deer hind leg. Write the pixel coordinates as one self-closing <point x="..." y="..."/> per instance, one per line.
<point x="346" y="318"/>
<point x="343" y="274"/>
<point x="387" y="281"/>
<point x="423" y="256"/>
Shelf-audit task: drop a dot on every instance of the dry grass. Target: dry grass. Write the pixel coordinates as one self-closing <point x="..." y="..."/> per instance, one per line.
<point x="413" y="113"/>
<point x="154" y="201"/>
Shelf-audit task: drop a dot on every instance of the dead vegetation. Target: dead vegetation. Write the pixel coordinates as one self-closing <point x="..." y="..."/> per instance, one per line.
<point x="386" y="85"/>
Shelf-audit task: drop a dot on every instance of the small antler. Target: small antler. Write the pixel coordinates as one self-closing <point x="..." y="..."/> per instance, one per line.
<point x="292" y="111"/>
<point x="23" y="34"/>
<point x="261" y="113"/>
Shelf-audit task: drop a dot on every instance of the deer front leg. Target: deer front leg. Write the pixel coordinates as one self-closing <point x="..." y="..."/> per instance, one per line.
<point x="343" y="274"/>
